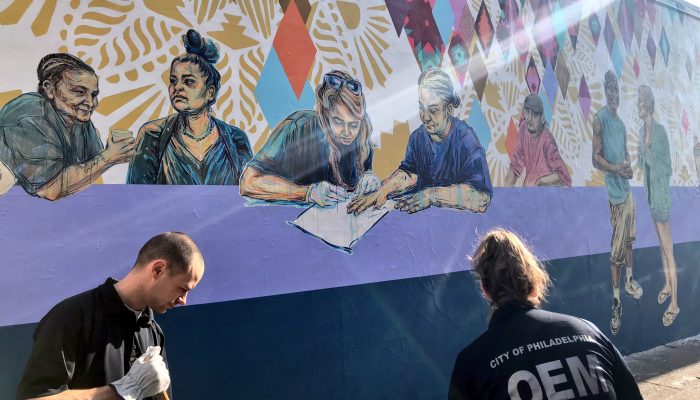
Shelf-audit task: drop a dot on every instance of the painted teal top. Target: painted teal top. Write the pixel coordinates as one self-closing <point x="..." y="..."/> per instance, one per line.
<point x="655" y="161"/>
<point x="615" y="151"/>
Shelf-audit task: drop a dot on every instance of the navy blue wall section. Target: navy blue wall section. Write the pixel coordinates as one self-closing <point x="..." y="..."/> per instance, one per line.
<point x="395" y="339"/>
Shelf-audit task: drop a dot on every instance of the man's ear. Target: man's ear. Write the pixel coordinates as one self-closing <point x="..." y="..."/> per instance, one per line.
<point x="49" y="89"/>
<point x="158" y="268"/>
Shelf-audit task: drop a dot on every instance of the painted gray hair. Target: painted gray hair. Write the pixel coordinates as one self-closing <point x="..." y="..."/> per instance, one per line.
<point x="440" y="83"/>
<point x="647" y="96"/>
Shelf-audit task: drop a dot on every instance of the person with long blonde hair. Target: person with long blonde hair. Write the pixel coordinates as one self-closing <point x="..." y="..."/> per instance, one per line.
<point x="317" y="156"/>
<point x="528" y="352"/>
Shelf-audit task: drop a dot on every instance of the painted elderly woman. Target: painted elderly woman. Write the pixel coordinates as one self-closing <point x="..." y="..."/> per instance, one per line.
<point x="444" y="166"/>
<point x="655" y="162"/>
<point x="317" y="156"/>
<point x="191" y="147"/>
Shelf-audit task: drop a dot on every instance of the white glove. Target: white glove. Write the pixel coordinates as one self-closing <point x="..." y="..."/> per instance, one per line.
<point x="326" y="194"/>
<point x="368" y="183"/>
<point x="148" y="376"/>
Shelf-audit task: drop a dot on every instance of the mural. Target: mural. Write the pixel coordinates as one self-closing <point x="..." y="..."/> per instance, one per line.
<point x="329" y="116"/>
<point x="48" y="141"/>
<point x="191" y="147"/>
<point x="655" y="161"/>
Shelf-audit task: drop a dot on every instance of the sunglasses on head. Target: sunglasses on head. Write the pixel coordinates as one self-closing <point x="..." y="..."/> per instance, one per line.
<point x="336" y="82"/>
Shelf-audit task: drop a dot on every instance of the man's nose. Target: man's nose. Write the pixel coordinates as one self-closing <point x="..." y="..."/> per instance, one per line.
<point x="182" y="299"/>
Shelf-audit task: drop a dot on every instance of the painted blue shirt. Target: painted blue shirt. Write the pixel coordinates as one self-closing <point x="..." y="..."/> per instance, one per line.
<point x="459" y="158"/>
<point x="36" y="145"/>
<point x="163" y="159"/>
<point x="614" y="135"/>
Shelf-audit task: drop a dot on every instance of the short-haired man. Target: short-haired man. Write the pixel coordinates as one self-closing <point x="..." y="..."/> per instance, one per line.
<point x="93" y="345"/>
<point x="536" y="153"/>
<point x="47" y="138"/>
<point x="444" y="166"/>
<point x="610" y="156"/>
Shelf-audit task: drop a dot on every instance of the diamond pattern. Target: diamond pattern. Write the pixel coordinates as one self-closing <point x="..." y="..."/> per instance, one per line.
<point x="594" y="25"/>
<point x="550" y="83"/>
<point x="521" y="40"/>
<point x="478" y="123"/>
<point x="584" y="98"/>
<point x="635" y="68"/>
<point x="609" y="34"/>
<point x="397" y="11"/>
<point x="511" y="137"/>
<point x="625" y="21"/>
<point x="689" y="68"/>
<point x="479" y="73"/>
<point x="532" y="77"/>
<point x="459" y="56"/>
<point x="465" y="27"/>
<point x="563" y="75"/>
<point x="424" y="35"/>
<point x="651" y="49"/>
<point x="294" y="47"/>
<point x="547" y="44"/>
<point x="573" y="10"/>
<point x="507" y="25"/>
<point x="559" y="24"/>
<point x="275" y="94"/>
<point x="484" y="28"/>
<point x="664" y="46"/>
<point x="444" y="18"/>
<point x="616" y="57"/>
<point x="684" y="122"/>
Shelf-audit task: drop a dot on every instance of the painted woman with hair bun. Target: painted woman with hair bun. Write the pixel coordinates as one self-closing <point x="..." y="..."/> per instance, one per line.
<point x="317" y="156"/>
<point x="445" y="165"/>
<point x="191" y="147"/>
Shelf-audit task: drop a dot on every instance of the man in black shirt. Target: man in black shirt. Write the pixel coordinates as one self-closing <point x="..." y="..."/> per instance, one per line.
<point x="97" y="344"/>
<point x="528" y="353"/>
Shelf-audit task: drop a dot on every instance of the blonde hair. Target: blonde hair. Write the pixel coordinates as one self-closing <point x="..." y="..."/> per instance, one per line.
<point x="326" y="98"/>
<point x="508" y="270"/>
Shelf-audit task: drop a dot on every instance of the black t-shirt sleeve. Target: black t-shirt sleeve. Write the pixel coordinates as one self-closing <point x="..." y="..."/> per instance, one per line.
<point x="52" y="362"/>
<point x="623" y="381"/>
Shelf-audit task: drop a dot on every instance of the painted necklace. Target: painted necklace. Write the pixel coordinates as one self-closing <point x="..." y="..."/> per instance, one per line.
<point x="189" y="134"/>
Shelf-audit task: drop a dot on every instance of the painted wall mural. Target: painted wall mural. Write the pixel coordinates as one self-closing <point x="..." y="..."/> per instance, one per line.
<point x="328" y="116"/>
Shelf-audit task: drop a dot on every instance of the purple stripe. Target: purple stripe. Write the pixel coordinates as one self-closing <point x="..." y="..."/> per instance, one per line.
<point x="53" y="250"/>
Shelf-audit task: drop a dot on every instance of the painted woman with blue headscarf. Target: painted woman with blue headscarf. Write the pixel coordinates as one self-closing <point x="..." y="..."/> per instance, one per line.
<point x="191" y="147"/>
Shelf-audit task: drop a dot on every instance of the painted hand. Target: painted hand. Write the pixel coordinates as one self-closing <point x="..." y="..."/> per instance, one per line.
<point x="624" y="170"/>
<point x="415" y="202"/>
<point x="368" y="183"/>
<point x="119" y="151"/>
<point x="365" y="201"/>
<point x="326" y="194"/>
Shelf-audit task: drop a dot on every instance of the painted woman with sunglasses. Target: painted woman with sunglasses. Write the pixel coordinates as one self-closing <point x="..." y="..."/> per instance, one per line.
<point x="317" y="156"/>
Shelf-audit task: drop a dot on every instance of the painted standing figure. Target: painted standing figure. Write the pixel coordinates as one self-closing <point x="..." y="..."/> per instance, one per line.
<point x="536" y="153"/>
<point x="444" y="166"/>
<point x="655" y="162"/>
<point x="47" y="139"/>
<point x="317" y="156"/>
<point x="191" y="147"/>
<point x="610" y="156"/>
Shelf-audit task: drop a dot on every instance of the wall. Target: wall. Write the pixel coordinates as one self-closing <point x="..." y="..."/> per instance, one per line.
<point x="281" y="313"/>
